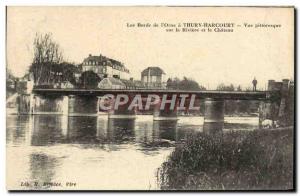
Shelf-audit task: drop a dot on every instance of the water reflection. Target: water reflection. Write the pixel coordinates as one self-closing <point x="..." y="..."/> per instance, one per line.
<point x="160" y="134"/>
<point x="120" y="130"/>
<point x="165" y="130"/>
<point x="47" y="130"/>
<point x="42" y="169"/>
<point x="81" y="130"/>
<point x="15" y="129"/>
<point x="55" y="148"/>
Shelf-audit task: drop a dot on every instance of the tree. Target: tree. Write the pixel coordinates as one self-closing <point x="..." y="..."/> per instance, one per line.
<point x="248" y="89"/>
<point x="68" y="72"/>
<point x="9" y="75"/>
<point x="169" y="83"/>
<point x="184" y="84"/>
<point x="10" y="83"/>
<point x="223" y="87"/>
<point x="89" y="79"/>
<point x="47" y="54"/>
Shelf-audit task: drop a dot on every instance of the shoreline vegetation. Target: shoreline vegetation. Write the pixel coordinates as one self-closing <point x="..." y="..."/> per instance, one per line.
<point x="236" y="160"/>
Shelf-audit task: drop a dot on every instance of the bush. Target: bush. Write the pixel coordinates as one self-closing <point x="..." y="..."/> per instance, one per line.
<point x="234" y="161"/>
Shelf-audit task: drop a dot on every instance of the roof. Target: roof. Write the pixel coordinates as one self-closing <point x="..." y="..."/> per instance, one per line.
<point x="113" y="81"/>
<point x="154" y="71"/>
<point x="103" y="60"/>
<point x="128" y="83"/>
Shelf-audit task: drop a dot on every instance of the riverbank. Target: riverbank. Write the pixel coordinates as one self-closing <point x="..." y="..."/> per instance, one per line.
<point x="254" y="160"/>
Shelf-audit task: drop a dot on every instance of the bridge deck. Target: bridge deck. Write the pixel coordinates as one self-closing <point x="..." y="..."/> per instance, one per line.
<point x="230" y="95"/>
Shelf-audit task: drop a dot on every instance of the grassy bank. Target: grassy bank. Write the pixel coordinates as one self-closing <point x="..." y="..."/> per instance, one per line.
<point x="261" y="159"/>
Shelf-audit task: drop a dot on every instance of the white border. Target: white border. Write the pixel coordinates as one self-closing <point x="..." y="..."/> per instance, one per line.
<point x="4" y="3"/>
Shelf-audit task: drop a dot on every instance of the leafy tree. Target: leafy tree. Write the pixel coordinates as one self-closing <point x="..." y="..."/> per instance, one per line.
<point x="169" y="83"/>
<point x="223" y="87"/>
<point x="10" y="83"/>
<point x="89" y="79"/>
<point x="184" y="84"/>
<point x="9" y="75"/>
<point x="68" y="72"/>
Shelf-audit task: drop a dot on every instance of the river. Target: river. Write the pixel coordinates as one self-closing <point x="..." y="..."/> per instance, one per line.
<point x="95" y="153"/>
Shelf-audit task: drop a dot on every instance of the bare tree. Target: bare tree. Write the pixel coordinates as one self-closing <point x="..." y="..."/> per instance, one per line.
<point x="46" y="54"/>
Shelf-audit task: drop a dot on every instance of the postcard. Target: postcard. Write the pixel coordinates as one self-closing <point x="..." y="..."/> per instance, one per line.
<point x="150" y="98"/>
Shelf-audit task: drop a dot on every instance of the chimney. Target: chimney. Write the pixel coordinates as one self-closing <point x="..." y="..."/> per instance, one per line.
<point x="131" y="79"/>
<point x="90" y="55"/>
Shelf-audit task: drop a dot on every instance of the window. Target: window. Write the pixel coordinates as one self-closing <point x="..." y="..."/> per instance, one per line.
<point x="144" y="79"/>
<point x="153" y="78"/>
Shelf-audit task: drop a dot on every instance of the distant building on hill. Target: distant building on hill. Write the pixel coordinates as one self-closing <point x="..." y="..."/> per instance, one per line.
<point x="153" y="77"/>
<point x="105" y="67"/>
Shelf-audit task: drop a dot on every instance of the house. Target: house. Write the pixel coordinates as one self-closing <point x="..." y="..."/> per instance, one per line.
<point x="153" y="77"/>
<point x="111" y="83"/>
<point x="105" y="67"/>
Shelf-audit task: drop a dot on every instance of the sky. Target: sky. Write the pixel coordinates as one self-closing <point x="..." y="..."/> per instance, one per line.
<point x="208" y="58"/>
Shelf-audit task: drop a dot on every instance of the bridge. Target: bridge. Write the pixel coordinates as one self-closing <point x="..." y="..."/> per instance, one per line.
<point x="88" y="102"/>
<point x="82" y="102"/>
<point x="225" y="95"/>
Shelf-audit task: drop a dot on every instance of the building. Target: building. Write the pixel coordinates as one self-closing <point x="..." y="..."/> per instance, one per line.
<point x="111" y="83"/>
<point x="105" y="67"/>
<point x="153" y="77"/>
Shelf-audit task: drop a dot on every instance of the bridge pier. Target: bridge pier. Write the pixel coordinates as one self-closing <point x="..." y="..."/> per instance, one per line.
<point x="168" y="111"/>
<point x="98" y="104"/>
<point x="282" y="111"/>
<point x="82" y="105"/>
<point x="31" y="104"/>
<point x="121" y="111"/>
<point x="213" y="115"/>
<point x="65" y="105"/>
<point x="25" y="104"/>
<point x="275" y="108"/>
<point x="39" y="104"/>
<point x="47" y="105"/>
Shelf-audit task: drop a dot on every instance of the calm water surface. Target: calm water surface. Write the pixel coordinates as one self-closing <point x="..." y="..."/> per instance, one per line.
<point x="94" y="152"/>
